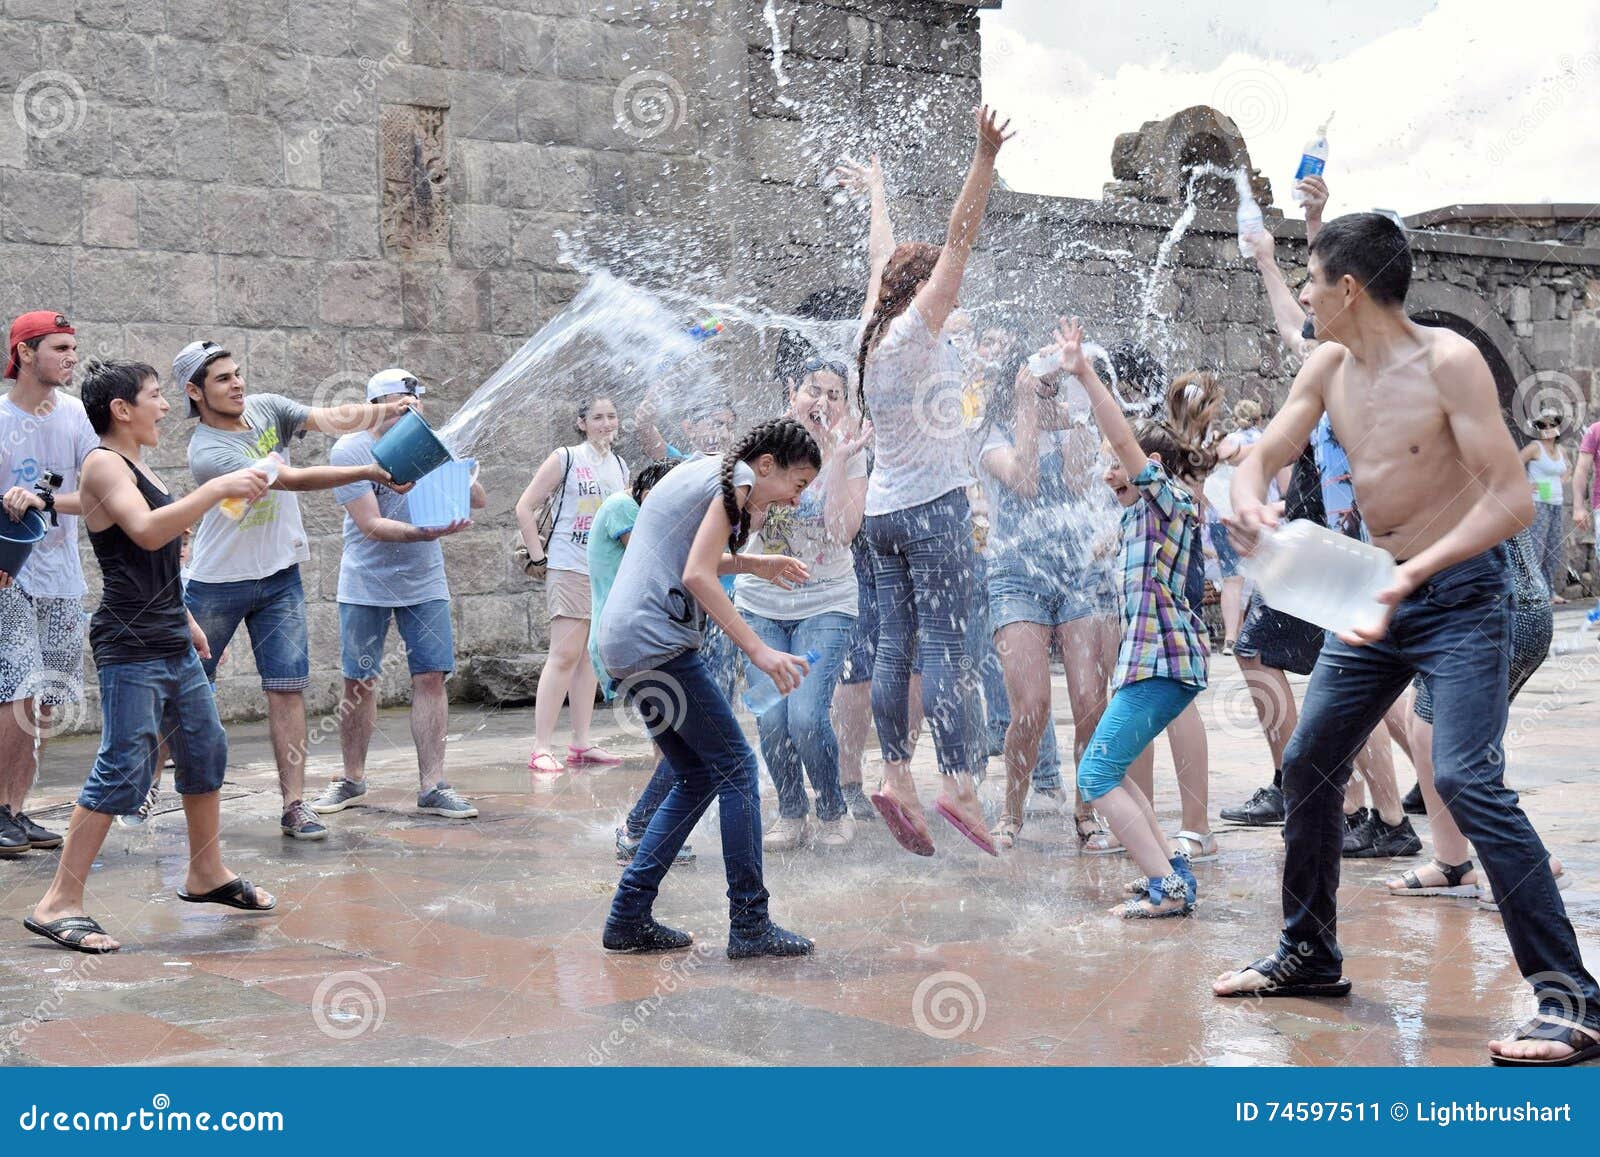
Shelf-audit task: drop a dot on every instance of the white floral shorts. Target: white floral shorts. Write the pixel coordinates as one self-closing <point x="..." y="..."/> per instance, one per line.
<point x="41" y="648"/>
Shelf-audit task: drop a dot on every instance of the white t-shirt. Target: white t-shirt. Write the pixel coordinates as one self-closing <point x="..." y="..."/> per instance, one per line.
<point x="800" y="532"/>
<point x="31" y="446"/>
<point x="591" y="479"/>
<point x="270" y="537"/>
<point x="914" y="387"/>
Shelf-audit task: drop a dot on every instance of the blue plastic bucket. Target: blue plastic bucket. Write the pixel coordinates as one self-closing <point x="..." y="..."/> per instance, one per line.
<point x="17" y="539"/>
<point x="410" y="449"/>
<point x="443" y="496"/>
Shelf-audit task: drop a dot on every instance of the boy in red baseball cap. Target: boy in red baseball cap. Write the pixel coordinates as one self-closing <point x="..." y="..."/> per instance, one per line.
<point x="43" y="432"/>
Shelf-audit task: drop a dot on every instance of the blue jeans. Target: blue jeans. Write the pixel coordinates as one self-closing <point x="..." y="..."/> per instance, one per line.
<point x="143" y="705"/>
<point x="798" y="732"/>
<point x="723" y="660"/>
<point x="923" y="563"/>
<point x="424" y="628"/>
<point x="1455" y="630"/>
<point x="273" y="610"/>
<point x="688" y="717"/>
<point x="1137" y="713"/>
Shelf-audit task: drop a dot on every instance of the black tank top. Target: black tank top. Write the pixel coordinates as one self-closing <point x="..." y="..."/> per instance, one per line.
<point x="141" y="613"/>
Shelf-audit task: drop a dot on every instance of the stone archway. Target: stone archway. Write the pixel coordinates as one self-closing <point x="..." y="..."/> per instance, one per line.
<point x="1435" y="303"/>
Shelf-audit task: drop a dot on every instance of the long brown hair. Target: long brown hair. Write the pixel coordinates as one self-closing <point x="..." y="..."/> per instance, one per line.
<point x="908" y="270"/>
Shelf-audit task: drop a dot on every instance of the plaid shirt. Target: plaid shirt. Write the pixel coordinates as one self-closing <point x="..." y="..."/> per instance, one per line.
<point x="1161" y="636"/>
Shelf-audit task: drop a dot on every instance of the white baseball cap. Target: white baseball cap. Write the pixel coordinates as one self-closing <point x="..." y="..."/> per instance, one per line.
<point x="393" y="381"/>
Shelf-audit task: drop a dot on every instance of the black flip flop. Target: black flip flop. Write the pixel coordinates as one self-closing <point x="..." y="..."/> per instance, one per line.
<point x="1281" y="982"/>
<point x="69" y="932"/>
<point x="1581" y="1040"/>
<point x="236" y="893"/>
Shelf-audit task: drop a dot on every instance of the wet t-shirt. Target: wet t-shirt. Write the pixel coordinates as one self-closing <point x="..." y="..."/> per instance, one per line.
<point x="914" y="385"/>
<point x="31" y="446"/>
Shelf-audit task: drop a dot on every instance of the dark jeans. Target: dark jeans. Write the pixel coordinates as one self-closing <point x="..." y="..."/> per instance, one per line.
<point x="1455" y="631"/>
<point x="797" y="735"/>
<point x="923" y="563"/>
<point x="688" y="717"/>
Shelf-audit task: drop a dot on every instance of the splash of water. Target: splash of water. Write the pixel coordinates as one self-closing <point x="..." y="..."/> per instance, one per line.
<point x="1154" y="282"/>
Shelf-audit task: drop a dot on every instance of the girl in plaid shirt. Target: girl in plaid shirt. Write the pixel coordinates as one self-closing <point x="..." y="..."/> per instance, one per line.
<point x="1161" y="666"/>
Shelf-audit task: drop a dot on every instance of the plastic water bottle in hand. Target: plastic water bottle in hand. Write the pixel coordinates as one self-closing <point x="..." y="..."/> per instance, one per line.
<point x="762" y="695"/>
<point x="1321" y="576"/>
<point x="234" y="508"/>
<point x="1250" y="222"/>
<point x="1581" y="639"/>
<point x="1313" y="158"/>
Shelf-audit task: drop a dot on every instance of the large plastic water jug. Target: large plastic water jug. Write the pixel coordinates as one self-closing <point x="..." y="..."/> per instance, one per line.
<point x="410" y="449"/>
<point x="1321" y="576"/>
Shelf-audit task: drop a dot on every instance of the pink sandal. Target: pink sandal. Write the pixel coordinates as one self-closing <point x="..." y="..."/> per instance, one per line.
<point x="594" y="754"/>
<point x="900" y="826"/>
<point x="976" y="835"/>
<point x="544" y="761"/>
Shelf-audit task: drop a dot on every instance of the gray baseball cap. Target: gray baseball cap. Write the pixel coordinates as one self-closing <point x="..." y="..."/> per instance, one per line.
<point x="191" y="359"/>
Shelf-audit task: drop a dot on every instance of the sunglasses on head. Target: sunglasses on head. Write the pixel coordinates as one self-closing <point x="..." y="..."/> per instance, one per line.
<point x="1547" y="424"/>
<point x="62" y="322"/>
<point x="816" y="365"/>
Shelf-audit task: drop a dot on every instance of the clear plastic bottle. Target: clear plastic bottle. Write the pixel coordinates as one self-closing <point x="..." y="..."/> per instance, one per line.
<point x="1320" y="575"/>
<point x="1581" y="639"/>
<point x="1250" y="222"/>
<point x="234" y="508"/>
<point x="762" y="695"/>
<point x="1314" y="157"/>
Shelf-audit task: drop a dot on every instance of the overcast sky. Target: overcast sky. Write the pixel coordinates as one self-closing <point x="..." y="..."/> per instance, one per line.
<point x="1436" y="102"/>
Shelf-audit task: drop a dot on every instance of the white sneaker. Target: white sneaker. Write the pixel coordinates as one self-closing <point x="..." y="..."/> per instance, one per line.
<point x="836" y="833"/>
<point x="785" y="835"/>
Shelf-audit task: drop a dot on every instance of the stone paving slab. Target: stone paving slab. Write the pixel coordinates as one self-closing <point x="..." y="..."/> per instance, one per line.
<point x="406" y="939"/>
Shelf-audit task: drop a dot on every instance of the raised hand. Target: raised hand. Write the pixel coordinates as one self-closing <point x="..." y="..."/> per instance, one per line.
<point x="992" y="132"/>
<point x="1262" y="246"/>
<point x="859" y="179"/>
<point x="1313" y="193"/>
<point x="853" y="444"/>
<point x="1069" y="340"/>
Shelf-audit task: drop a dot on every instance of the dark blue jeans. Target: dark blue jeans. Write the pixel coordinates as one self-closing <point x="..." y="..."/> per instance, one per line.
<point x="708" y="759"/>
<point x="923" y="563"/>
<point x="797" y="735"/>
<point x="1455" y="631"/>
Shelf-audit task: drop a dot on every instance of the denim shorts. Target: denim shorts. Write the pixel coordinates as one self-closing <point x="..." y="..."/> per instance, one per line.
<point x="1017" y="596"/>
<point x="273" y="610"/>
<point x="424" y="629"/>
<point x="1228" y="560"/>
<point x="143" y="705"/>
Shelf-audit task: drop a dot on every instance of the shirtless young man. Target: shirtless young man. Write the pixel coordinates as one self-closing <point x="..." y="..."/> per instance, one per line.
<point x="1441" y="490"/>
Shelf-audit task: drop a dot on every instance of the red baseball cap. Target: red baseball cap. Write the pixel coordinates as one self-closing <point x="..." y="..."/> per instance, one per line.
<point x="29" y="326"/>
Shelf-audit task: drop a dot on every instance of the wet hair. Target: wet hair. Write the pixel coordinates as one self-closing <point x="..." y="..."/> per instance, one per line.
<point x="789" y="443"/>
<point x="645" y="481"/>
<point x="1180" y="457"/>
<point x="1370" y="248"/>
<point x="1000" y="409"/>
<point x="706" y="407"/>
<point x="1141" y="378"/>
<point x="583" y="412"/>
<point x="106" y="381"/>
<point x="1246" y="412"/>
<point x="1193" y="400"/>
<point x="908" y="270"/>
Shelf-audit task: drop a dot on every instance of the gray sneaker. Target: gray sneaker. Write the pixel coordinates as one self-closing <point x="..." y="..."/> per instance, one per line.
<point x="146" y="809"/>
<point x="299" y="824"/>
<point x="855" y="798"/>
<point x="341" y="793"/>
<point x="445" y="801"/>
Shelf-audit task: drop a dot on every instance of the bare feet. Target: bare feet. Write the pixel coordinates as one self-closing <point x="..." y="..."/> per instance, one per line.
<point x="99" y="941"/>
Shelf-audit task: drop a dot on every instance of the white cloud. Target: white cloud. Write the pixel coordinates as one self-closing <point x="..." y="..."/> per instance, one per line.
<point x="1468" y="102"/>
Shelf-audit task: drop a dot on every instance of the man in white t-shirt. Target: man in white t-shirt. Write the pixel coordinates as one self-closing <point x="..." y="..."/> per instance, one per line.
<point x="44" y="435"/>
<point x="247" y="569"/>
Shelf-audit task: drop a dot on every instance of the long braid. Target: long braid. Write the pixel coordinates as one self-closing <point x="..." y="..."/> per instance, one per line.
<point x="789" y="443"/>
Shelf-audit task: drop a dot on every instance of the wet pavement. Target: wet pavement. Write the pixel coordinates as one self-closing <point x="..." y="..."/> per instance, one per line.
<point x="405" y="939"/>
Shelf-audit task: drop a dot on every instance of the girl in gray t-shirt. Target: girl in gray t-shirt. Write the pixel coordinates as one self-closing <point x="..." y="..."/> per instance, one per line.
<point x="689" y="532"/>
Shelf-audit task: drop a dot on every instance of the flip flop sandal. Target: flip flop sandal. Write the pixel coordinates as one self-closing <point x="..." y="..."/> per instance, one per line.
<point x="1452" y="885"/>
<point x="593" y="754"/>
<point x="544" y="761"/>
<point x="1580" y="1038"/>
<point x="1281" y="983"/>
<point x="1201" y="849"/>
<point x="236" y="893"/>
<point x="900" y="825"/>
<point x="1004" y="834"/>
<point x="976" y="835"/>
<point x="69" y="932"/>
